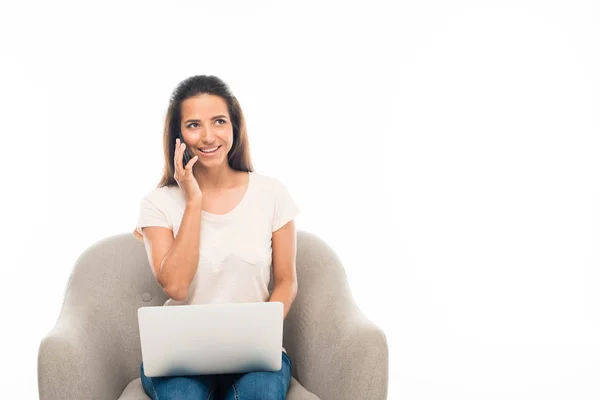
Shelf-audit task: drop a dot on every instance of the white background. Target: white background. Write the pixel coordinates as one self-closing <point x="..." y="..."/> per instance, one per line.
<point x="447" y="151"/>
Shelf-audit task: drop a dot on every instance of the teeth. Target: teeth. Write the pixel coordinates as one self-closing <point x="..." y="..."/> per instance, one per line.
<point x="209" y="151"/>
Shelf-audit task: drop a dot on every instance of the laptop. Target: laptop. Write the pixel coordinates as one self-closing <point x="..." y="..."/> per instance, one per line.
<point x="206" y="339"/>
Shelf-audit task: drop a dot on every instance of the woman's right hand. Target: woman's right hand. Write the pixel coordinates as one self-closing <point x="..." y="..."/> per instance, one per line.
<point x="184" y="176"/>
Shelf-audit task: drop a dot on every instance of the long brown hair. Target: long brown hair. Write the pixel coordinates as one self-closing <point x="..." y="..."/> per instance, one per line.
<point x="239" y="155"/>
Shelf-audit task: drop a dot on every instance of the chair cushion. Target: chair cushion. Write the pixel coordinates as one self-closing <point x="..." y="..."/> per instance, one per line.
<point x="135" y="391"/>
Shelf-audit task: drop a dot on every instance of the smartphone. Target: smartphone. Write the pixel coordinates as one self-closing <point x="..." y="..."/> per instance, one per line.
<point x="187" y="154"/>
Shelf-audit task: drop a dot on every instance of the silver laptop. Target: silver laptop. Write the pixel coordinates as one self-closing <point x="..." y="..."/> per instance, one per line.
<point x="205" y="339"/>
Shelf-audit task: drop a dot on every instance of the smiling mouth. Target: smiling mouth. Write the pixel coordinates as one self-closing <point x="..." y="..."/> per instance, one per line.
<point x="210" y="152"/>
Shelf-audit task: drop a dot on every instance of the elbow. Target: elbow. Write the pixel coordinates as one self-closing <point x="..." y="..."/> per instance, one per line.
<point x="173" y="290"/>
<point x="177" y="293"/>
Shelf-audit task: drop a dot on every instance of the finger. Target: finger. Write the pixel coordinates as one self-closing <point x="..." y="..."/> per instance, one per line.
<point x="179" y="156"/>
<point x="177" y="147"/>
<point x="182" y="150"/>
<point x="191" y="163"/>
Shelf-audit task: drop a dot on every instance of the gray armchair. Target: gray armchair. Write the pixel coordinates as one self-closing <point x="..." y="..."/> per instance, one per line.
<point x="93" y="351"/>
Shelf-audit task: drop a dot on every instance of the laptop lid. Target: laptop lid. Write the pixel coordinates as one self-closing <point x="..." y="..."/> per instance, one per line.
<point x="204" y="339"/>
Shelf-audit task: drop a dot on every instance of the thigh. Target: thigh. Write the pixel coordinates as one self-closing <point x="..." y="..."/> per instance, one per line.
<point x="198" y="387"/>
<point x="272" y="385"/>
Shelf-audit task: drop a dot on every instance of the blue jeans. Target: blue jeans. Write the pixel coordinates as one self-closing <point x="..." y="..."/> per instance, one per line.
<point x="242" y="386"/>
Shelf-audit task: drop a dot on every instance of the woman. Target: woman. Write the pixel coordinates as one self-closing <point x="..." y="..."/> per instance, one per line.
<point x="213" y="227"/>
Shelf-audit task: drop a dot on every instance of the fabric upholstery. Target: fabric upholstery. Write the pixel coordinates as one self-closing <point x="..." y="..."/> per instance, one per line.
<point x="93" y="351"/>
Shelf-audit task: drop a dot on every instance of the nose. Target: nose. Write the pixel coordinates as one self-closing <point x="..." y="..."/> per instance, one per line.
<point x="207" y="136"/>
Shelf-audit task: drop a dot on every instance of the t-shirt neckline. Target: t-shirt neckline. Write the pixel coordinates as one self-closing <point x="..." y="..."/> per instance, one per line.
<point x="221" y="217"/>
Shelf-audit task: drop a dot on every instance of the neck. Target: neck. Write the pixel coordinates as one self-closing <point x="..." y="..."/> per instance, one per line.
<point x="214" y="179"/>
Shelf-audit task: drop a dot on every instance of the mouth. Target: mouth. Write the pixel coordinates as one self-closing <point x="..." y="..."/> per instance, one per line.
<point x="209" y="153"/>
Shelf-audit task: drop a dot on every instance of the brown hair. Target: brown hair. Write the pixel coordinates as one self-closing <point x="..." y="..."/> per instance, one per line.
<point x="239" y="155"/>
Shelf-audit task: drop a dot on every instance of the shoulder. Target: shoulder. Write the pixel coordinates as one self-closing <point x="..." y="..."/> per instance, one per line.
<point x="162" y="195"/>
<point x="267" y="182"/>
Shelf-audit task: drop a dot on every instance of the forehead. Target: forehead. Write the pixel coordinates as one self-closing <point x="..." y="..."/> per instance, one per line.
<point x="203" y="106"/>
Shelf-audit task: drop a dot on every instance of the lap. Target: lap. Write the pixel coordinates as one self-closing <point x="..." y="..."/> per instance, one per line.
<point x="245" y="386"/>
<point x="261" y="385"/>
<point x="179" y="387"/>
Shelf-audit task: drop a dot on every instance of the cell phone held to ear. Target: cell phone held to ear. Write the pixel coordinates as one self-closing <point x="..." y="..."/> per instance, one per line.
<point x="187" y="156"/>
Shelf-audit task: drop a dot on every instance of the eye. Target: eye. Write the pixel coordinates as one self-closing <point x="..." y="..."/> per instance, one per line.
<point x="193" y="123"/>
<point x="221" y="119"/>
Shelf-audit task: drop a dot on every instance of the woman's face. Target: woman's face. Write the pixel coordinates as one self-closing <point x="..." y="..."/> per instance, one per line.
<point x="205" y="124"/>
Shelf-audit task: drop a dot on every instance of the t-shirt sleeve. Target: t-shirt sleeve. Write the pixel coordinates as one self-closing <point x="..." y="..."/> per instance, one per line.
<point x="285" y="207"/>
<point x="150" y="215"/>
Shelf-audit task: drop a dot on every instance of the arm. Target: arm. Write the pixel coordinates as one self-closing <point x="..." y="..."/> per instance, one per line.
<point x="285" y="285"/>
<point x="328" y="335"/>
<point x="355" y="343"/>
<point x="284" y="292"/>
<point x="76" y="362"/>
<point x="179" y="265"/>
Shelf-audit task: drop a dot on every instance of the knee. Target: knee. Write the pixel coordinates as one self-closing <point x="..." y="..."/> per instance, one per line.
<point x="259" y="386"/>
<point x="271" y="395"/>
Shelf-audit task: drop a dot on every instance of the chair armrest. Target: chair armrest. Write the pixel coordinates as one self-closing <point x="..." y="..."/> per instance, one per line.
<point x="348" y="358"/>
<point x="76" y="362"/>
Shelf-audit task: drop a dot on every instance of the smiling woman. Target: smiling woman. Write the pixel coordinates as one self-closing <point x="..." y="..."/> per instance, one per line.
<point x="214" y="229"/>
<point x="197" y="130"/>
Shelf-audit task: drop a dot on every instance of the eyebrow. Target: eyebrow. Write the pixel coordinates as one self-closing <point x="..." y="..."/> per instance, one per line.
<point x="197" y="120"/>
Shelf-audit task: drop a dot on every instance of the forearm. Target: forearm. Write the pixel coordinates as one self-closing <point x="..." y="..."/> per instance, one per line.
<point x="181" y="262"/>
<point x="285" y="292"/>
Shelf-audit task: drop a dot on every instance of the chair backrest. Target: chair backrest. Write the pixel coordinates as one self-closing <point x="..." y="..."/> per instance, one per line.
<point x="113" y="278"/>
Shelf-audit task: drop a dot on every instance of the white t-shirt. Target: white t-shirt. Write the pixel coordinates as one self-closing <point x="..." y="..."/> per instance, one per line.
<point x="235" y="248"/>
